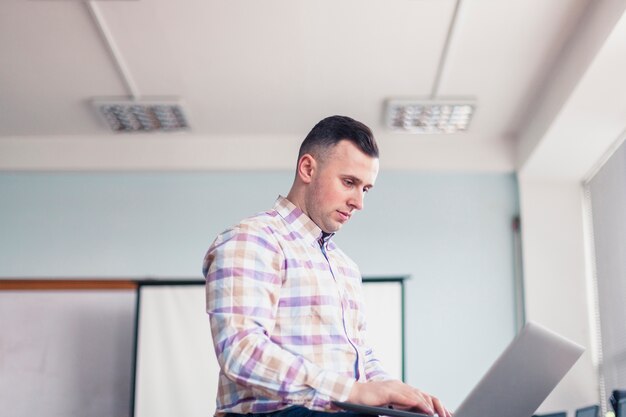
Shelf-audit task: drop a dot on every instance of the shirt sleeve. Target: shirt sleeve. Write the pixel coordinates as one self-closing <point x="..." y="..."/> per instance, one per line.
<point x="373" y="369"/>
<point x="244" y="272"/>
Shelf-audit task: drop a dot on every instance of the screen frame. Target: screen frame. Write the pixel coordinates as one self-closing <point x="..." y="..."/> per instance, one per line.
<point x="196" y="282"/>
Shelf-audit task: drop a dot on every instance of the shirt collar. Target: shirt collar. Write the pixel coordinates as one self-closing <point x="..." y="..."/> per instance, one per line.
<point x="301" y="223"/>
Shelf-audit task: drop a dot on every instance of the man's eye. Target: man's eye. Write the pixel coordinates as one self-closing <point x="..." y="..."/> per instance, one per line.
<point x="349" y="183"/>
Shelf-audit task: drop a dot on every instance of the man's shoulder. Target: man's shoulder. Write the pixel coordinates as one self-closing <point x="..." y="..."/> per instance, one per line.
<point x="264" y="221"/>
<point x="267" y="222"/>
<point x="252" y="236"/>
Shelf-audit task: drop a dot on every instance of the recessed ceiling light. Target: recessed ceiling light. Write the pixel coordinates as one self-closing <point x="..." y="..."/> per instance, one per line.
<point x="428" y="116"/>
<point x="142" y="115"/>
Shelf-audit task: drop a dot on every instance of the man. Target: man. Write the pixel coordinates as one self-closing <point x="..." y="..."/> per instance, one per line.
<point x="285" y="303"/>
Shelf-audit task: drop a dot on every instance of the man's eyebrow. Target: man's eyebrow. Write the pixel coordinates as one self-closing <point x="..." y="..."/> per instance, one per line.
<point x="353" y="178"/>
<point x="359" y="181"/>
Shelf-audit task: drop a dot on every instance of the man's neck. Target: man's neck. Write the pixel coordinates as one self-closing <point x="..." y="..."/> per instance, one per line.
<point x="295" y="198"/>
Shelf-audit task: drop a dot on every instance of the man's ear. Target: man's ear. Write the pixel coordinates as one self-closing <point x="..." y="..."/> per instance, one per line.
<point x="306" y="168"/>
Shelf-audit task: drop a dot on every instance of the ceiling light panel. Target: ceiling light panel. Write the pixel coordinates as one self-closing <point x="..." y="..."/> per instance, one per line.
<point x="429" y="116"/>
<point x="142" y="115"/>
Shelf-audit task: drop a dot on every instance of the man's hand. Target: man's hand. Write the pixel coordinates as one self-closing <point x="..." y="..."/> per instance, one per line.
<point x="397" y="394"/>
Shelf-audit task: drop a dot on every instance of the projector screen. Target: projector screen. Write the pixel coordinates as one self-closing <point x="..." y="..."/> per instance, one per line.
<point x="175" y="366"/>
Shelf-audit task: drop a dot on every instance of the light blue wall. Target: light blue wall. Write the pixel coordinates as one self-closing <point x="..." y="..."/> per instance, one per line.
<point x="122" y="225"/>
<point x="451" y="233"/>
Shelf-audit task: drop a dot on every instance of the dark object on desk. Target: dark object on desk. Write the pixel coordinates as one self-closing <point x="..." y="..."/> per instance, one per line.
<point x="557" y="414"/>
<point x="617" y="396"/>
<point x="591" y="411"/>
<point x="380" y="411"/>
<point x="621" y="408"/>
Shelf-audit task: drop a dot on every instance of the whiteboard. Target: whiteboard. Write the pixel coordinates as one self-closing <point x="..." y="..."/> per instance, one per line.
<point x="175" y="366"/>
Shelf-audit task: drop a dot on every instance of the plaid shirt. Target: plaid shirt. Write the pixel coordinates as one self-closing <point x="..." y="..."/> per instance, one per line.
<point x="285" y="306"/>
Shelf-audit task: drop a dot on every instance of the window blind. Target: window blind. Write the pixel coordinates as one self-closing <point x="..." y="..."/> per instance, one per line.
<point x="606" y="197"/>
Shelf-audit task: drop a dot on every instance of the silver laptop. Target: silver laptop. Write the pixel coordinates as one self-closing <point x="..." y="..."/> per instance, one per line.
<point x="517" y="382"/>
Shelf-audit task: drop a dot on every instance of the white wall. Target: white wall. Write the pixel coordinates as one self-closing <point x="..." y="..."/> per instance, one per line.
<point x="556" y="280"/>
<point x="66" y="353"/>
<point x="571" y="132"/>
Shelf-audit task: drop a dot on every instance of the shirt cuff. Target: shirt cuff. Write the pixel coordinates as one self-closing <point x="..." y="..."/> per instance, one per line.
<point x="335" y="387"/>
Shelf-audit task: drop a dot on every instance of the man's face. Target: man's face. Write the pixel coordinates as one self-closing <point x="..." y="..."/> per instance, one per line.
<point x="338" y="185"/>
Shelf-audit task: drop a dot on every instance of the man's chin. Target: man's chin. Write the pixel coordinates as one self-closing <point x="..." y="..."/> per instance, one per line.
<point x="335" y="228"/>
<point x="332" y="228"/>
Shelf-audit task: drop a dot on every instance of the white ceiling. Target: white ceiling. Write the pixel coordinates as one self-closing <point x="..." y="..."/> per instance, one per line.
<point x="256" y="75"/>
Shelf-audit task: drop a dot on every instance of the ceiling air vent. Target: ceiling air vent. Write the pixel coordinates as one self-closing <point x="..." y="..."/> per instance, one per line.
<point x="142" y="115"/>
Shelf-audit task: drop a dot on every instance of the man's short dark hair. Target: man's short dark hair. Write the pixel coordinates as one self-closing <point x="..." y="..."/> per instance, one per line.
<point x="329" y="131"/>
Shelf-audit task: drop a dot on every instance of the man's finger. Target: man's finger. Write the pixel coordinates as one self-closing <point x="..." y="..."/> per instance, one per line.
<point x="427" y="402"/>
<point x="439" y="408"/>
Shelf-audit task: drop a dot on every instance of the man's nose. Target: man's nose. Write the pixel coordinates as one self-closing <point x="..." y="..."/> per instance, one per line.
<point x="356" y="200"/>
